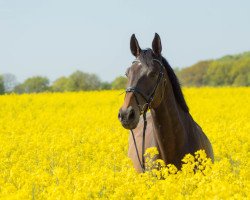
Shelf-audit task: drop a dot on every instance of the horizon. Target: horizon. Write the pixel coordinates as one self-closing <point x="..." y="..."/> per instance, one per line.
<point x="54" y="39"/>
<point x="109" y="81"/>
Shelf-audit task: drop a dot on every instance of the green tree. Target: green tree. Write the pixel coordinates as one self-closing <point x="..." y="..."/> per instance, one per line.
<point x="19" y="89"/>
<point x="228" y="70"/>
<point x="1" y="85"/>
<point x="83" y="81"/>
<point x="218" y="73"/>
<point x="242" y="80"/>
<point x="195" y="74"/>
<point x="60" y="84"/>
<point x="105" y="86"/>
<point x="240" y="72"/>
<point x="119" y="83"/>
<point x="35" y="84"/>
<point x="10" y="82"/>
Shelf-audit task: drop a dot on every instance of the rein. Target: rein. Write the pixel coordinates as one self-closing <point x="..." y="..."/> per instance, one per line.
<point x="143" y="111"/>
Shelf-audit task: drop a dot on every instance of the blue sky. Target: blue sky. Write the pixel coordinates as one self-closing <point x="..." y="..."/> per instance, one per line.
<point x="56" y="37"/>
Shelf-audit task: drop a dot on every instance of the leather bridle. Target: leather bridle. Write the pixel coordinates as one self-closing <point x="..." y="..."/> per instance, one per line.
<point x="144" y="108"/>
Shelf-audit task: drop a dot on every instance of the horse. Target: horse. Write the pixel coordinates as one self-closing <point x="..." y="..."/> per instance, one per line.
<point x="152" y="85"/>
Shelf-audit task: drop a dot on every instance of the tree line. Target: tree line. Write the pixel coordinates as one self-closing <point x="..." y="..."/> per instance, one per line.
<point x="228" y="70"/>
<point x="77" y="81"/>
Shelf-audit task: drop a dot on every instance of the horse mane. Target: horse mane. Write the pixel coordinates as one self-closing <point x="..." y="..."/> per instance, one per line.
<point x="144" y="55"/>
<point x="176" y="86"/>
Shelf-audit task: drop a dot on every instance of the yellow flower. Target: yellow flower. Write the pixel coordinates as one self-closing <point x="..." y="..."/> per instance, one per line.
<point x="71" y="146"/>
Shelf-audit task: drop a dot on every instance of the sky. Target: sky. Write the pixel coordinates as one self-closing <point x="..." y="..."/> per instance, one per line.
<point x="54" y="38"/>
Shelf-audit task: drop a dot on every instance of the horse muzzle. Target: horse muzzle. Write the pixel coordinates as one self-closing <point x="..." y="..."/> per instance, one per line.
<point x="128" y="117"/>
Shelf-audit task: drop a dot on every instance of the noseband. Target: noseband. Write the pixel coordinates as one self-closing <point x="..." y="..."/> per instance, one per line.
<point x="143" y="110"/>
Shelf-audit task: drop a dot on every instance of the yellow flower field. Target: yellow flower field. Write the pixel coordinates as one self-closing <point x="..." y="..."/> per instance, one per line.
<point x="72" y="146"/>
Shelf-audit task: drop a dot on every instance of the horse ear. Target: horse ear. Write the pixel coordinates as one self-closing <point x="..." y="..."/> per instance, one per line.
<point x="156" y="45"/>
<point x="134" y="46"/>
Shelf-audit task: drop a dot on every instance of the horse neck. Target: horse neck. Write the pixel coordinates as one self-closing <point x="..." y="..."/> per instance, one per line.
<point x="169" y="128"/>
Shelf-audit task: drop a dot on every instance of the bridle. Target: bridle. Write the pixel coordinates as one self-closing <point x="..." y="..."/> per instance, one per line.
<point x="144" y="108"/>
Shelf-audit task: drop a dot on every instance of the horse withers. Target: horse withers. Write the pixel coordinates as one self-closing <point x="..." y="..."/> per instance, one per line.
<point x="152" y="85"/>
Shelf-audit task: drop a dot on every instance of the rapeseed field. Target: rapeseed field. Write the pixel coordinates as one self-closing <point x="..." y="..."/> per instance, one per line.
<point x="72" y="146"/>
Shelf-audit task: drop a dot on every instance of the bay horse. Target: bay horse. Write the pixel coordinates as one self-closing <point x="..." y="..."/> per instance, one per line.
<point x="152" y="84"/>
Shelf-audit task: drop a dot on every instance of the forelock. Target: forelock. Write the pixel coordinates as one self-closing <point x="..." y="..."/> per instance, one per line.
<point x="146" y="56"/>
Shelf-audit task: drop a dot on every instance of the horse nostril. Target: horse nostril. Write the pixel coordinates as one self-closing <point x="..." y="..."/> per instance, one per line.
<point x="131" y="115"/>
